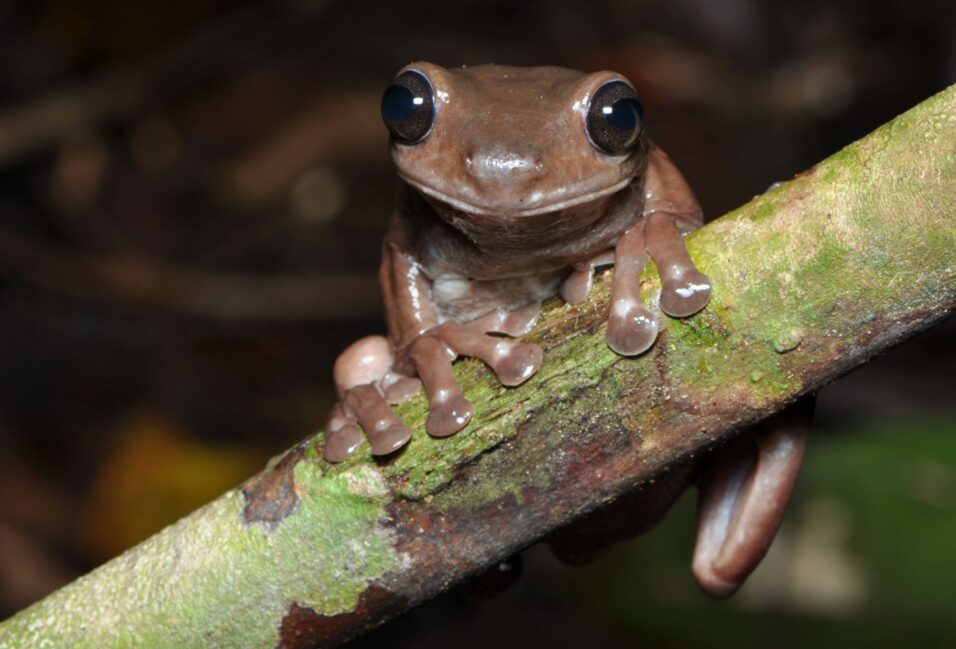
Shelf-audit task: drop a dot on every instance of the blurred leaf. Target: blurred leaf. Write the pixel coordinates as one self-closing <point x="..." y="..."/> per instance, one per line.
<point x="154" y="476"/>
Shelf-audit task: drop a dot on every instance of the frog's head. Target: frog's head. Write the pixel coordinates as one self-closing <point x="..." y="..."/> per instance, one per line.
<point x="503" y="142"/>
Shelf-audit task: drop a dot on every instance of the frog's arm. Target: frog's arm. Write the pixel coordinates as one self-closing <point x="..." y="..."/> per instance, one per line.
<point x="406" y="294"/>
<point x="671" y="210"/>
<point x="424" y="348"/>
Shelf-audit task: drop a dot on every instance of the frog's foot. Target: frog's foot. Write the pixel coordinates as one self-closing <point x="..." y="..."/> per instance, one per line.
<point x="432" y="355"/>
<point x="685" y="290"/>
<point x="631" y="326"/>
<point x="743" y="495"/>
<point x="363" y="408"/>
<point x="366" y="384"/>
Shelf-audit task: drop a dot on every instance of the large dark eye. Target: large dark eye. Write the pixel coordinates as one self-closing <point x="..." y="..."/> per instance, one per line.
<point x="408" y="108"/>
<point x="615" y="118"/>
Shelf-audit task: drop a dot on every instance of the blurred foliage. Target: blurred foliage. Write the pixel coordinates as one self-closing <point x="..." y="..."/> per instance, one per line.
<point x="863" y="560"/>
<point x="152" y="475"/>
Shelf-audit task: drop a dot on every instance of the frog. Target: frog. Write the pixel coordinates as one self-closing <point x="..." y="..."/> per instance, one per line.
<point x="515" y="185"/>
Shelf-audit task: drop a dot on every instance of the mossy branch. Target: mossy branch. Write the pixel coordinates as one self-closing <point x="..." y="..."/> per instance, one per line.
<point x="812" y="279"/>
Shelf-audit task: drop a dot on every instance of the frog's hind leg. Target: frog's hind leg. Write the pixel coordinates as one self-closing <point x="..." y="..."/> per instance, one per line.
<point x="358" y="371"/>
<point x="685" y="290"/>
<point x="744" y="492"/>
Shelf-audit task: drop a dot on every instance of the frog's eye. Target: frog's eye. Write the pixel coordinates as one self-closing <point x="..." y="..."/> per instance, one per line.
<point x="408" y="107"/>
<point x="615" y="118"/>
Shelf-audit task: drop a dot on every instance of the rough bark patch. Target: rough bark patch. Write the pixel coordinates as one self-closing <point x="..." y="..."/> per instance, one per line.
<point x="271" y="495"/>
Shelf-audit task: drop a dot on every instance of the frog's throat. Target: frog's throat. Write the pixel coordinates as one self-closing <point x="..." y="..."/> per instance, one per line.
<point x="469" y="208"/>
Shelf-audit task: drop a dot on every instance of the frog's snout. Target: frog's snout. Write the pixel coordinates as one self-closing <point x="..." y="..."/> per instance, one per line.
<point x="504" y="165"/>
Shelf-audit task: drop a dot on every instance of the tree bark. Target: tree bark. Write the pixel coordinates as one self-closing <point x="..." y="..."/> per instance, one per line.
<point x="811" y="279"/>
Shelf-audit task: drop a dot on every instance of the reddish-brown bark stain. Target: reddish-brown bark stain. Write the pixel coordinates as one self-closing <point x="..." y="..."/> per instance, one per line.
<point x="271" y="495"/>
<point x="448" y="538"/>
<point x="303" y="628"/>
<point x="631" y="514"/>
<point x="603" y="439"/>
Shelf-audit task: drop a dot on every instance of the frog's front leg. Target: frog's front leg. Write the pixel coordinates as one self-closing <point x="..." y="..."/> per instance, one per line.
<point x="684" y="289"/>
<point x="430" y="356"/>
<point x="631" y="326"/>
<point x="427" y="348"/>
<point x="371" y="373"/>
<point x="670" y="211"/>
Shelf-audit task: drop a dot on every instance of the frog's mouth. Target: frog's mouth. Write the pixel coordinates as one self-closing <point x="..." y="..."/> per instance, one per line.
<point x="554" y="223"/>
<point x="505" y="211"/>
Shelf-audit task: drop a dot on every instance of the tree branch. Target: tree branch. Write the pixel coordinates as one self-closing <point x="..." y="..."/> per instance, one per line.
<point x="812" y="279"/>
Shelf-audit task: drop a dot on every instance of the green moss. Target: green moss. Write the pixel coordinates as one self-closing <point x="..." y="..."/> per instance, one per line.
<point x="760" y="209"/>
<point x="787" y="340"/>
<point x="200" y="582"/>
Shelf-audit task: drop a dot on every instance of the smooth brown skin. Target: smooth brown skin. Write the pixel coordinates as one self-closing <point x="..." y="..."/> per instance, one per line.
<point x="506" y="202"/>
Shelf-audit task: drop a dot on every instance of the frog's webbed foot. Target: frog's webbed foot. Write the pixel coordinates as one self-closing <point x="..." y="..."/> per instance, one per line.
<point x="432" y="355"/>
<point x="366" y="385"/>
<point x="744" y="492"/>
<point x="631" y="326"/>
<point x="685" y="290"/>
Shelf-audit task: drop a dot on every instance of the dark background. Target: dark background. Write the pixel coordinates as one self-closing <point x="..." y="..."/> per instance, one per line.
<point x="192" y="198"/>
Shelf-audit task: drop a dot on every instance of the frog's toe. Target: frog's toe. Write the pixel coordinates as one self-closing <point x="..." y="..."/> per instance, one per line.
<point x="398" y="389"/>
<point x="516" y="322"/>
<point x="515" y="363"/>
<point x="685" y="295"/>
<point x="384" y="430"/>
<point x="342" y="436"/>
<point x="390" y="439"/>
<point x="631" y="327"/>
<point x="446" y="416"/>
<point x="341" y="444"/>
<point x="577" y="286"/>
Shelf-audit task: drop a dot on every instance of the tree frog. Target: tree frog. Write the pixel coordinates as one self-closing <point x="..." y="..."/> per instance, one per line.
<point x="515" y="184"/>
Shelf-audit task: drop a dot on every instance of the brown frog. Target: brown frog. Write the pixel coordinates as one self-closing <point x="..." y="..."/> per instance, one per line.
<point x="515" y="184"/>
